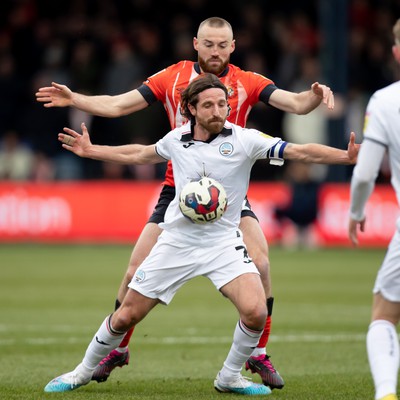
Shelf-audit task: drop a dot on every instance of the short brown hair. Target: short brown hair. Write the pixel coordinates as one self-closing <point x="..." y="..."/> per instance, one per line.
<point x="191" y="94"/>
<point x="215" y="22"/>
<point x="396" y="32"/>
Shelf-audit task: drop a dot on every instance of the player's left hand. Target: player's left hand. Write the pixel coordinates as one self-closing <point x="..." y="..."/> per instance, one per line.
<point x="353" y="148"/>
<point x="353" y="230"/>
<point x="325" y="93"/>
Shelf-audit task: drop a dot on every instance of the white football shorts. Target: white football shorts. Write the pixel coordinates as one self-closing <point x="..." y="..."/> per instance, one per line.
<point x="171" y="264"/>
<point x="388" y="279"/>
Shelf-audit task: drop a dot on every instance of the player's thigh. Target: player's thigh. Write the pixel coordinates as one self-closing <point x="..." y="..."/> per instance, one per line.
<point x="147" y="239"/>
<point x="254" y="237"/>
<point x="257" y="247"/>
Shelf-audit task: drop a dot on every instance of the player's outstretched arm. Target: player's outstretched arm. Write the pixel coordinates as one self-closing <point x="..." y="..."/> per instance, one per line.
<point x="304" y="102"/>
<point x="321" y="154"/>
<point x="81" y="145"/>
<point x="58" y="95"/>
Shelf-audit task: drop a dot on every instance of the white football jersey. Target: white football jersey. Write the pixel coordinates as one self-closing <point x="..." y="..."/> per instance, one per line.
<point x="381" y="133"/>
<point x="228" y="158"/>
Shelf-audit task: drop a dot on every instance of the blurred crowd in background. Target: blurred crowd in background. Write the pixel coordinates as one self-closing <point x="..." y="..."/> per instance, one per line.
<point x="110" y="47"/>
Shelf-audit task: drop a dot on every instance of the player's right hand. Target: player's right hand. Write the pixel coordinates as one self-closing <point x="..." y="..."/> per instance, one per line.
<point x="75" y="142"/>
<point x="55" y="96"/>
<point x="353" y="230"/>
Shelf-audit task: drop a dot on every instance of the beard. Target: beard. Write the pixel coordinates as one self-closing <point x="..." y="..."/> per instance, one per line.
<point x="213" y="126"/>
<point x="215" y="69"/>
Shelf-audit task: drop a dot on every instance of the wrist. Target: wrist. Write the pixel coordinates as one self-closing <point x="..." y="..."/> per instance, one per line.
<point x="74" y="100"/>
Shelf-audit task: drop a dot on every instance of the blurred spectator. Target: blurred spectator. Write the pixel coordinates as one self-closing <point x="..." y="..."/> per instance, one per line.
<point x="297" y="217"/>
<point x="304" y="179"/>
<point x="124" y="71"/>
<point x="313" y="126"/>
<point x="43" y="169"/>
<point x="11" y="91"/>
<point x="16" y="159"/>
<point x="85" y="68"/>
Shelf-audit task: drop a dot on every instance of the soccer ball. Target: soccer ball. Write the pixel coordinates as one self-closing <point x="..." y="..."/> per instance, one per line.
<point x="203" y="201"/>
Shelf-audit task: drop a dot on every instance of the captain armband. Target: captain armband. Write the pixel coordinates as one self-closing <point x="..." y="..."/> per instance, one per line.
<point x="275" y="153"/>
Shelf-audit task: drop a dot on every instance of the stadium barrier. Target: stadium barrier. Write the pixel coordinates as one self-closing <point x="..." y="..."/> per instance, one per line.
<point x="115" y="212"/>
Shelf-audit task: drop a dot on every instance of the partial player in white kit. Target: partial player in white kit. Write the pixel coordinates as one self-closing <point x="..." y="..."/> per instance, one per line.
<point x="381" y="135"/>
<point x="207" y="145"/>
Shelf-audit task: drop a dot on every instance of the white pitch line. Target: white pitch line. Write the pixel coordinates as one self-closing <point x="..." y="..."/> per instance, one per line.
<point x="201" y="340"/>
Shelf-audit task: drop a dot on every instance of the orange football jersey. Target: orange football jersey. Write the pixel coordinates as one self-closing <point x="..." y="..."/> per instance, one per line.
<point x="244" y="90"/>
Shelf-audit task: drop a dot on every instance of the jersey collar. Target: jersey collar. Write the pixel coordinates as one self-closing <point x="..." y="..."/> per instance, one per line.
<point x="188" y="136"/>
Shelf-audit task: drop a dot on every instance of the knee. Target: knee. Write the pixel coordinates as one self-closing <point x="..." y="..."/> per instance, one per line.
<point x="123" y="319"/>
<point x="255" y="317"/>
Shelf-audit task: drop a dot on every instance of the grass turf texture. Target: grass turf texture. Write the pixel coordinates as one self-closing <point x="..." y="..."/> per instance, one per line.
<point x="53" y="298"/>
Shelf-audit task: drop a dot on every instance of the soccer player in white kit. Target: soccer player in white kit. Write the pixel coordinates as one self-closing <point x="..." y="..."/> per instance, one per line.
<point x="207" y="145"/>
<point x="381" y="135"/>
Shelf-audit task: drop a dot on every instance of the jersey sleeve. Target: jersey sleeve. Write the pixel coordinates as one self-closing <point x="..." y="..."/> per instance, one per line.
<point x="163" y="146"/>
<point x="374" y="122"/>
<point x="260" y="86"/>
<point x="160" y="82"/>
<point x="369" y="158"/>
<point x="364" y="176"/>
<point x="259" y="145"/>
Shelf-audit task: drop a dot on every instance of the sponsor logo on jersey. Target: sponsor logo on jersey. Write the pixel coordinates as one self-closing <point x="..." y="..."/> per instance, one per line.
<point x="188" y="145"/>
<point x="265" y="135"/>
<point x="366" y="120"/>
<point x="226" y="149"/>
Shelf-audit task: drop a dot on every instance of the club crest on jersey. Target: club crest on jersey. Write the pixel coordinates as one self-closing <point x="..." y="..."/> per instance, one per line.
<point x="230" y="91"/>
<point x="140" y="276"/>
<point x="226" y="149"/>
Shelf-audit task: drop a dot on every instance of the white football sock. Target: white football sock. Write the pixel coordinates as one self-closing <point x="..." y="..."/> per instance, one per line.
<point x="105" y="340"/>
<point x="244" y="341"/>
<point x="259" y="351"/>
<point x="383" y="356"/>
<point x="122" y="349"/>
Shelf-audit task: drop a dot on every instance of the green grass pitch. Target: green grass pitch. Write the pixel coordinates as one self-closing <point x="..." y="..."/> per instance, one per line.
<point x="53" y="298"/>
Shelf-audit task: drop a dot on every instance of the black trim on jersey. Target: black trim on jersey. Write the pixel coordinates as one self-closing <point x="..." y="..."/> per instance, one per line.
<point x="166" y="196"/>
<point x="146" y="92"/>
<point x="188" y="136"/>
<point x="156" y="150"/>
<point x="376" y="141"/>
<point x="196" y="67"/>
<point x="266" y="93"/>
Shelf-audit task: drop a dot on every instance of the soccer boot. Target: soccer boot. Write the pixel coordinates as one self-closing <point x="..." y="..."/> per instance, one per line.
<point x="108" y="364"/>
<point x="69" y="381"/>
<point x="263" y="366"/>
<point x="389" y="397"/>
<point x="240" y="385"/>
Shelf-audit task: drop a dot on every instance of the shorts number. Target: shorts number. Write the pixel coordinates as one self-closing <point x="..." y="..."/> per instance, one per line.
<point x="246" y="258"/>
